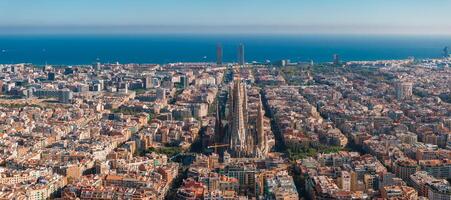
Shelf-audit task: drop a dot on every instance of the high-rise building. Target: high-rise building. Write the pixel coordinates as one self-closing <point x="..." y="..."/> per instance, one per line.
<point x="446" y="52"/>
<point x="403" y="90"/>
<point x="97" y="66"/>
<point x="51" y="76"/>
<point x="219" y="54"/>
<point x="336" y="59"/>
<point x="184" y="81"/>
<point x="147" y="82"/>
<point x="241" y="60"/>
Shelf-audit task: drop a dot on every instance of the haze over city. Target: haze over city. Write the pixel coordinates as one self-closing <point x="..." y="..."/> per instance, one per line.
<point x="232" y="16"/>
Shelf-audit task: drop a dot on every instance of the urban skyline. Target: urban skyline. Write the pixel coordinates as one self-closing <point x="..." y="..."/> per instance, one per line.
<point x="225" y="100"/>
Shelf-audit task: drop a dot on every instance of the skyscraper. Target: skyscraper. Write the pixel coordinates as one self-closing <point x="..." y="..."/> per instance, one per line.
<point x="219" y="54"/>
<point x="336" y="59"/>
<point x="446" y="52"/>
<point x="184" y="81"/>
<point x="97" y="65"/>
<point x="147" y="82"/>
<point x="241" y="60"/>
<point x="51" y="76"/>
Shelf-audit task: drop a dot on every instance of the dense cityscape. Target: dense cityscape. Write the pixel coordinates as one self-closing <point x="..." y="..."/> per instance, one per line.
<point x="213" y="131"/>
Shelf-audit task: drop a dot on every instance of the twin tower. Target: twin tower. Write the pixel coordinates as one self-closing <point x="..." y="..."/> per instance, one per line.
<point x="220" y="55"/>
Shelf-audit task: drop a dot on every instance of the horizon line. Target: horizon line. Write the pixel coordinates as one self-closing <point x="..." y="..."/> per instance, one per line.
<point x="224" y="29"/>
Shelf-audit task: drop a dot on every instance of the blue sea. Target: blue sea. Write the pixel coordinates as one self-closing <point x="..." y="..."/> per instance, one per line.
<point x="85" y="49"/>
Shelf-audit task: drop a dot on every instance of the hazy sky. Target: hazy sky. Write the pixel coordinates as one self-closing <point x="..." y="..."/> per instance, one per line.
<point x="228" y="16"/>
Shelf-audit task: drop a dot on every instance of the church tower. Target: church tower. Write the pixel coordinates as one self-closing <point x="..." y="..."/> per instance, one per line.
<point x="261" y="137"/>
<point x="219" y="133"/>
<point x="238" y="126"/>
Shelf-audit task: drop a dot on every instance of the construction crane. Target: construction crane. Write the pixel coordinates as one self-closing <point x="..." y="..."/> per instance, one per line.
<point x="216" y="146"/>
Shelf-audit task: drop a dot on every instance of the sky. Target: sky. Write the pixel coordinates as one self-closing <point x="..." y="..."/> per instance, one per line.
<point x="227" y="16"/>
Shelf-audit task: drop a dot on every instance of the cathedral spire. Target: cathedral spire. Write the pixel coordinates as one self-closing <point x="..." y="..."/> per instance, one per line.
<point x="245" y="130"/>
<point x="238" y="126"/>
<point x="261" y="139"/>
<point x="218" y="124"/>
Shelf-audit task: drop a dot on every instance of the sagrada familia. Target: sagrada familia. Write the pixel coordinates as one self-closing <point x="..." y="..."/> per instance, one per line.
<point x="244" y="135"/>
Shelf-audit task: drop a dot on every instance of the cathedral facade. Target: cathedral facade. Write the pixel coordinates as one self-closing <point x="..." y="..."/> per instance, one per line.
<point x="243" y="130"/>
